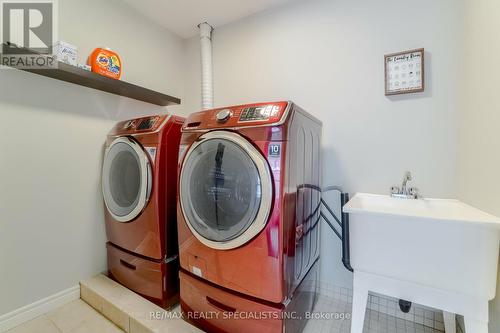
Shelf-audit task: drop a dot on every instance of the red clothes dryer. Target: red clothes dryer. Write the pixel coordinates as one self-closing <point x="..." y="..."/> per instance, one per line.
<point x="248" y="216"/>
<point x="139" y="180"/>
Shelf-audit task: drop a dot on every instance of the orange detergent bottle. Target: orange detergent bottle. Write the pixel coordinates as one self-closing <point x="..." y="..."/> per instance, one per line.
<point x="105" y="62"/>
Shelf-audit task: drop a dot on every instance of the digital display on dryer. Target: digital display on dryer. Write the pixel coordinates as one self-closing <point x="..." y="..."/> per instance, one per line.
<point x="257" y="113"/>
<point x="254" y="113"/>
<point x="146" y="124"/>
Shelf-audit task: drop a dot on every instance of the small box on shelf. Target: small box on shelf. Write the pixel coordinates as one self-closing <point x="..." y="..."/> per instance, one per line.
<point x="84" y="67"/>
<point x="65" y="52"/>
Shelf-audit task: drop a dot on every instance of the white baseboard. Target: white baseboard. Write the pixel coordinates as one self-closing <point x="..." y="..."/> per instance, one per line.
<point x="33" y="310"/>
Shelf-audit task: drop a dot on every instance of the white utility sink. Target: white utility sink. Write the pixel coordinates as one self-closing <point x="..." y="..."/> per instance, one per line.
<point x="435" y="252"/>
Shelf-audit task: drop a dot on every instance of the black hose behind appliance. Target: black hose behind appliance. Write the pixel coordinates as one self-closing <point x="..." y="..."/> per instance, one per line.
<point x="343" y="233"/>
<point x="343" y="223"/>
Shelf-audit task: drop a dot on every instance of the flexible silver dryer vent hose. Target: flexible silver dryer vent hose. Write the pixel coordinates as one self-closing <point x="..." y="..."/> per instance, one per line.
<point x="207" y="88"/>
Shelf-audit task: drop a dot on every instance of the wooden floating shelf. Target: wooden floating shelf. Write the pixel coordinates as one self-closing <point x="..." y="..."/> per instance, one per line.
<point x="79" y="76"/>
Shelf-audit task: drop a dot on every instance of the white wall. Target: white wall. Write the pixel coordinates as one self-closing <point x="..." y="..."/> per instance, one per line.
<point x="152" y="56"/>
<point x="327" y="56"/>
<point x="480" y="116"/>
<point x="51" y="221"/>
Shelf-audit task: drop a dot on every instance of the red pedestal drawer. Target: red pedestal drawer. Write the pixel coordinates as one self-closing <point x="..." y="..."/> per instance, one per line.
<point x="216" y="310"/>
<point x="155" y="280"/>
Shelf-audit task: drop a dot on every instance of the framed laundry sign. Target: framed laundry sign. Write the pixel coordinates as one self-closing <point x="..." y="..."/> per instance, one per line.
<point x="404" y="72"/>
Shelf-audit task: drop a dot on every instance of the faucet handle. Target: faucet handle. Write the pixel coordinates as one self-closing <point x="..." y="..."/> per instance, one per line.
<point x="395" y="190"/>
<point x="408" y="176"/>
<point x="414" y="192"/>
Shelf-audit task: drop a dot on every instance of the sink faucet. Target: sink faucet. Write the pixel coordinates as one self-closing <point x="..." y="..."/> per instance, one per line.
<point x="405" y="192"/>
<point x="406" y="179"/>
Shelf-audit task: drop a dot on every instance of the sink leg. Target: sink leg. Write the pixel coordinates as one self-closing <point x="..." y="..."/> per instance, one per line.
<point x="359" y="301"/>
<point x="450" y="324"/>
<point x="475" y="326"/>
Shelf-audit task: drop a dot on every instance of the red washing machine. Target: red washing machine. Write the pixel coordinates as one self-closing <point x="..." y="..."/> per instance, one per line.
<point x="248" y="217"/>
<point x="139" y="180"/>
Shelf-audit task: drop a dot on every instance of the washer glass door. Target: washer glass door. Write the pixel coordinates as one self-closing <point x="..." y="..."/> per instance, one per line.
<point x="126" y="179"/>
<point x="225" y="190"/>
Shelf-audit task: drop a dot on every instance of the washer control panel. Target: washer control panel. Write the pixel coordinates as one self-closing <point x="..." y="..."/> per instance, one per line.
<point x="147" y="123"/>
<point x="139" y="125"/>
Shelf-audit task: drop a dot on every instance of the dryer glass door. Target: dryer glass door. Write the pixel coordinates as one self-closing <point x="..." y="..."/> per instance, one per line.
<point x="225" y="190"/>
<point x="126" y="179"/>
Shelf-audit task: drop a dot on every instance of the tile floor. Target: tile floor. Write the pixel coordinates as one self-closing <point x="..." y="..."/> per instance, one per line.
<point x="112" y="303"/>
<point x="79" y="317"/>
<point x="74" y="317"/>
<point x="129" y="311"/>
<point x="375" y="322"/>
<point x="387" y="305"/>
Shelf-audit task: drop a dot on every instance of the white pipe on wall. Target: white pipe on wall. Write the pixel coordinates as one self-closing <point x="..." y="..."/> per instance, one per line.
<point x="207" y="89"/>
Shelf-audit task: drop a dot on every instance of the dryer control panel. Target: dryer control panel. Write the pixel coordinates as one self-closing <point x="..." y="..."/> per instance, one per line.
<point x="259" y="114"/>
<point x="140" y="125"/>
